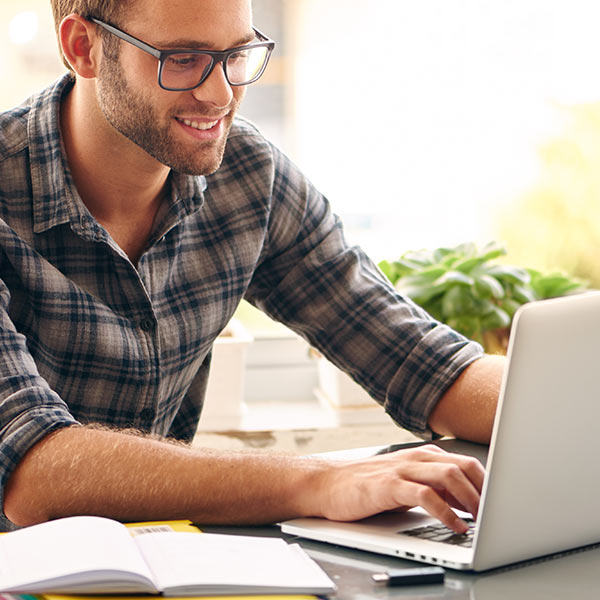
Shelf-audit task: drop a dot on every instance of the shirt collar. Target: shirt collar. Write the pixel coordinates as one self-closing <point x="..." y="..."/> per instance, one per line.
<point x="53" y="191"/>
<point x="55" y="197"/>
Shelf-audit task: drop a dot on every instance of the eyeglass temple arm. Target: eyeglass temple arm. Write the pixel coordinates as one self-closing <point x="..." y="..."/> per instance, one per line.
<point x="261" y="36"/>
<point x="128" y="38"/>
<point x="150" y="49"/>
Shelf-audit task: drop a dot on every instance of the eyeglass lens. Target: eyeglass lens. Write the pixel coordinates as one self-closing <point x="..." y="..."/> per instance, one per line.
<point x="185" y="69"/>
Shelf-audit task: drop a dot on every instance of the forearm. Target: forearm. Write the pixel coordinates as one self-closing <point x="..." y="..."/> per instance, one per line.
<point x="131" y="478"/>
<point x="89" y="471"/>
<point x="468" y="408"/>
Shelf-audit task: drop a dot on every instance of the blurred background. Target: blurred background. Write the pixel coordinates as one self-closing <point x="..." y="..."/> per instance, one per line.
<point x="426" y="123"/>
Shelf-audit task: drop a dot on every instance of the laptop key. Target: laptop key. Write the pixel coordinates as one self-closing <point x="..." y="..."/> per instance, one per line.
<point x="441" y="533"/>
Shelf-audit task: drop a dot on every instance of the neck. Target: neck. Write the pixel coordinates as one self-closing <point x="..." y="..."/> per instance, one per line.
<point x="115" y="178"/>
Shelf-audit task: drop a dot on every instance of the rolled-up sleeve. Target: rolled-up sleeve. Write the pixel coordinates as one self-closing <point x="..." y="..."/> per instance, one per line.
<point x="333" y="295"/>
<point x="29" y="409"/>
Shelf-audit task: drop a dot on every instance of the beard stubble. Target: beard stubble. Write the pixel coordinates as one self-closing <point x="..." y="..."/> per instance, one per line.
<point x="134" y="117"/>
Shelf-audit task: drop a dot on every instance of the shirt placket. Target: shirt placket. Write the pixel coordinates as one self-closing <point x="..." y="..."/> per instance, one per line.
<point x="137" y="289"/>
<point x="146" y="328"/>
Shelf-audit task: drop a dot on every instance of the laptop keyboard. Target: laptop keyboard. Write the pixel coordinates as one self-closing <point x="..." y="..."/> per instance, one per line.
<point x="441" y="533"/>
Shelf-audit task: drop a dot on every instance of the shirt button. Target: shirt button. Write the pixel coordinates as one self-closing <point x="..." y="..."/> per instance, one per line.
<point x="146" y="324"/>
<point x="147" y="414"/>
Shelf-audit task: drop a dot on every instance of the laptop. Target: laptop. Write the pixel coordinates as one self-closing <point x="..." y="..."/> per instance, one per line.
<point x="542" y="483"/>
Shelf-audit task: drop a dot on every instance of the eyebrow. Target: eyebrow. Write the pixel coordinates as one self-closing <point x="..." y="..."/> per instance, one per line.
<point x="199" y="45"/>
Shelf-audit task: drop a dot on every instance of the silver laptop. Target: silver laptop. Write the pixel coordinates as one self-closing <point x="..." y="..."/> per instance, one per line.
<point x="542" y="484"/>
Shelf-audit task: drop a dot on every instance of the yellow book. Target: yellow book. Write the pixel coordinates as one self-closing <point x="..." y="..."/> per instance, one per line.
<point x="60" y="597"/>
<point x="155" y="526"/>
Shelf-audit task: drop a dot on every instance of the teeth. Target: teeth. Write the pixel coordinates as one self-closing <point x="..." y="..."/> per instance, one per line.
<point x="203" y="125"/>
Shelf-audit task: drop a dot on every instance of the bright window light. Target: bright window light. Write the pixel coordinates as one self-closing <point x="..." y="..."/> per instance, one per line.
<point x="427" y="116"/>
<point x="23" y="27"/>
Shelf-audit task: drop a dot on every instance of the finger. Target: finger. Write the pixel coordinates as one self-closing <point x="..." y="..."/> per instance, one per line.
<point x="410" y="492"/>
<point x="460" y="477"/>
<point x="447" y="478"/>
<point x="401" y="509"/>
<point x="451" y="500"/>
<point x="469" y="465"/>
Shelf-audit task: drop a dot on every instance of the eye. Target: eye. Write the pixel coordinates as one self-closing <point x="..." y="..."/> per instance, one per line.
<point x="185" y="61"/>
<point x="238" y="56"/>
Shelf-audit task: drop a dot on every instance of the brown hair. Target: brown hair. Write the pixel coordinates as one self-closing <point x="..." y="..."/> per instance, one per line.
<point x="106" y="10"/>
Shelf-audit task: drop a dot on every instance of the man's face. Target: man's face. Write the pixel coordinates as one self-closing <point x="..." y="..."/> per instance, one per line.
<point x="186" y="131"/>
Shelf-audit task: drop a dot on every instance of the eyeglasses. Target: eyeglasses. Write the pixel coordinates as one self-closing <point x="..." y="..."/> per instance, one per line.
<point x="183" y="70"/>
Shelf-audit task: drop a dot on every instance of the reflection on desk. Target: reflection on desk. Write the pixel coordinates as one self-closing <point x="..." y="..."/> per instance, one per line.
<point x="576" y="575"/>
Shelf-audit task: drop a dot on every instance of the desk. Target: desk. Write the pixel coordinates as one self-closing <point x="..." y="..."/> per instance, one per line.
<point x="574" y="576"/>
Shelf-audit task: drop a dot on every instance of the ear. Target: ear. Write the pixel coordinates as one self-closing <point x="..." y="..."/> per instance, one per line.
<point x="81" y="45"/>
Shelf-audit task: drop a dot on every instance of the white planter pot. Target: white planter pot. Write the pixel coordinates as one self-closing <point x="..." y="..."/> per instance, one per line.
<point x="347" y="400"/>
<point x="224" y="404"/>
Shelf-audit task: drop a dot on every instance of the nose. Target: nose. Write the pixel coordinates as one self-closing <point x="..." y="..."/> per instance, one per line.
<point x="215" y="88"/>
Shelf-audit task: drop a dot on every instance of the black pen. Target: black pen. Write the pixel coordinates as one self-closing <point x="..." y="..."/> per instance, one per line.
<point x="413" y="576"/>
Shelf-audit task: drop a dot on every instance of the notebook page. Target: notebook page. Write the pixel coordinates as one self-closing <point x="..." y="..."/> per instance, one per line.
<point x="187" y="560"/>
<point x="69" y="551"/>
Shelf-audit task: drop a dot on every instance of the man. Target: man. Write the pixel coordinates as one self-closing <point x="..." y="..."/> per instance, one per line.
<point x="136" y="214"/>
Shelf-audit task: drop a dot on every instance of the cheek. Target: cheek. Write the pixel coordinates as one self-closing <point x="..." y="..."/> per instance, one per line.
<point x="239" y="93"/>
<point x="141" y="68"/>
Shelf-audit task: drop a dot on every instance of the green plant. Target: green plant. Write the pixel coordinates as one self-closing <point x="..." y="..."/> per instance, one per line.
<point x="464" y="288"/>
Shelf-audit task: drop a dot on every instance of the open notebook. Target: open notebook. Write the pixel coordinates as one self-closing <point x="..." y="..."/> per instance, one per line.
<point x="91" y="555"/>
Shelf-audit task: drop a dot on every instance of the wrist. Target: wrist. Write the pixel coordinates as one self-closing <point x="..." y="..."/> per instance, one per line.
<point x="310" y="491"/>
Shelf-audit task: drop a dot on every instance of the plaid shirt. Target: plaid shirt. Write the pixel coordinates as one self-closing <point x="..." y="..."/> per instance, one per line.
<point x="87" y="337"/>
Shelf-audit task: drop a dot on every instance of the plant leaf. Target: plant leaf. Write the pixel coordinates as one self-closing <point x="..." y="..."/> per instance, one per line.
<point x="510" y="306"/>
<point x="510" y="274"/>
<point x="492" y="250"/>
<point x="523" y="294"/>
<point x="467" y="249"/>
<point x="455" y="277"/>
<point x="441" y="253"/>
<point x="489" y="287"/>
<point x="553" y="284"/>
<point x="467" y="325"/>
<point x="387" y="268"/>
<point x="458" y="301"/>
<point x="424" y="277"/>
<point x="496" y="319"/>
<point x="467" y="265"/>
<point x="421" y="295"/>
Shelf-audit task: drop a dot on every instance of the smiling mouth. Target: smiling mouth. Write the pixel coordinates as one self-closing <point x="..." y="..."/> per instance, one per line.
<point x="201" y="125"/>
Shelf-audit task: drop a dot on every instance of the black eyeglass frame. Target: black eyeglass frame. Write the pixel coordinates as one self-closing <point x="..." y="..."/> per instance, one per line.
<point x="215" y="56"/>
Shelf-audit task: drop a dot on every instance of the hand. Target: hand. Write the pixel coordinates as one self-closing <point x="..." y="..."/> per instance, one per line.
<point x="426" y="476"/>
